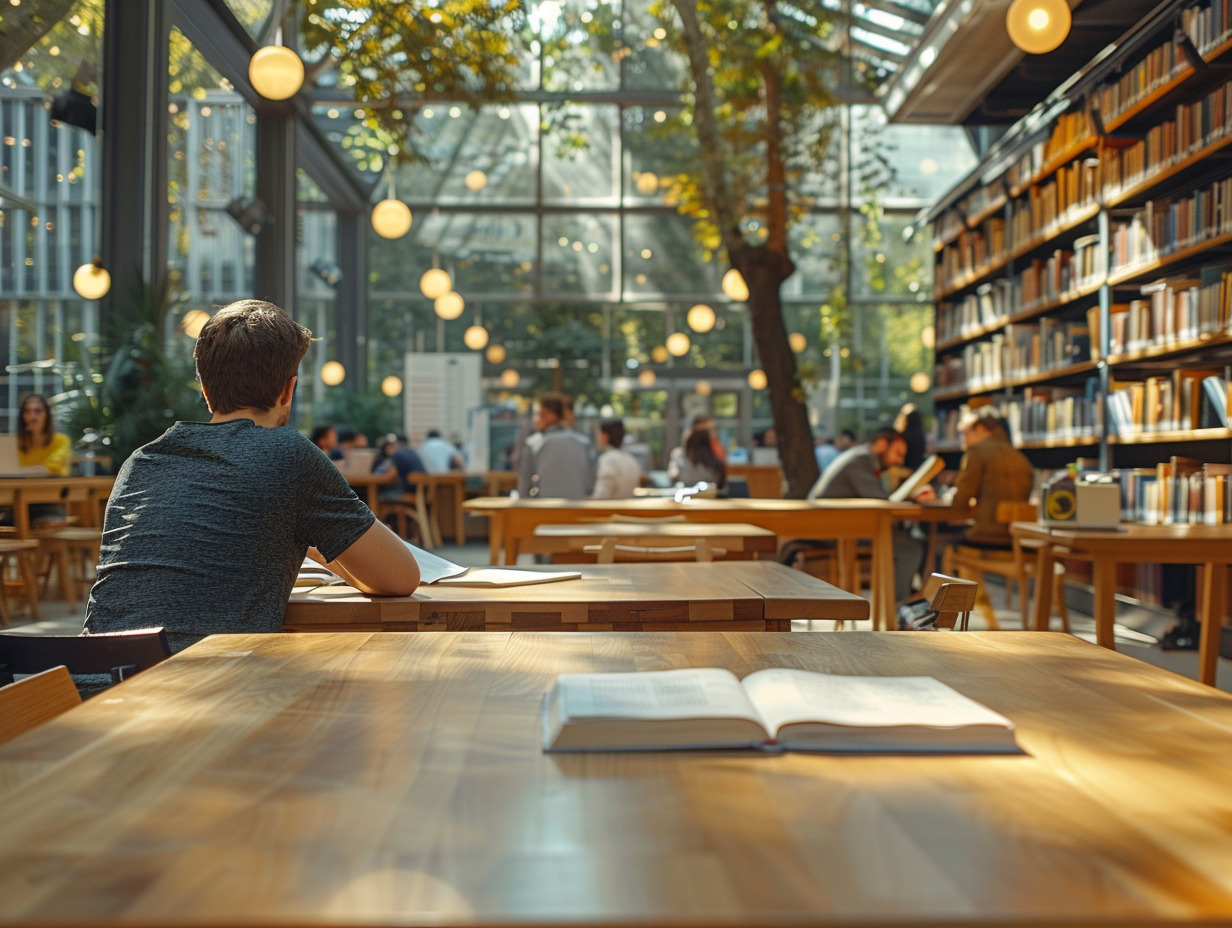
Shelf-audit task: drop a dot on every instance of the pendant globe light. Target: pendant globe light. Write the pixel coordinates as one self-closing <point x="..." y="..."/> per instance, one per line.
<point x="757" y="379"/>
<point x="677" y="344"/>
<point x="1038" y="26"/>
<point x="449" y="305"/>
<point x="734" y="286"/>
<point x="332" y="373"/>
<point x="391" y="218"/>
<point x="496" y="354"/>
<point x="700" y="318"/>
<point x="276" y="72"/>
<point x="392" y="386"/>
<point x="91" y="281"/>
<point x="475" y="338"/>
<point x="435" y="283"/>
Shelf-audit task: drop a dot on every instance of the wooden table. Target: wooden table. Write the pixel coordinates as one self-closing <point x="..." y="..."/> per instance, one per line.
<point x="513" y="522"/>
<point x="85" y="495"/>
<point x="739" y="540"/>
<point x="427" y="496"/>
<point x="720" y="596"/>
<point x="281" y="781"/>
<point x="1207" y="545"/>
<point x="765" y="481"/>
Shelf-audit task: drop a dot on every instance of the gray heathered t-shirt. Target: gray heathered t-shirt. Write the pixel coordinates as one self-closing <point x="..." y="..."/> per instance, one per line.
<point x="207" y="526"/>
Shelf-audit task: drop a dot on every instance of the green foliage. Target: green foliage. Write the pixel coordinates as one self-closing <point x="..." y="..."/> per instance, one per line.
<point x="372" y="414"/>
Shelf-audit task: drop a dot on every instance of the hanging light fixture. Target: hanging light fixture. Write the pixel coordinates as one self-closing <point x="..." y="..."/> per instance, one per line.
<point x="391" y="218"/>
<point x="91" y="281"/>
<point x="797" y="341"/>
<point x="392" y="386"/>
<point x="757" y="379"/>
<point x="434" y="283"/>
<point x="734" y="286"/>
<point x="700" y="318"/>
<point x="920" y="382"/>
<point x="658" y="354"/>
<point x="928" y="336"/>
<point x="1038" y="26"/>
<point x="647" y="183"/>
<point x="449" y="305"/>
<point x="704" y="388"/>
<point x="646" y="378"/>
<point x="332" y="373"/>
<point x="678" y="344"/>
<point x="476" y="181"/>
<point x="475" y="337"/>
<point x="275" y="71"/>
<point x="495" y="354"/>
<point x="510" y="378"/>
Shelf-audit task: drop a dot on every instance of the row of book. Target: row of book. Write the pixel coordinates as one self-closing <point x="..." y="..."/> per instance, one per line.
<point x="1183" y="400"/>
<point x="1020" y="351"/>
<point x="1179" y="491"/>
<point x="1208" y="24"/>
<point x="1158" y="67"/>
<point x="1070" y="130"/>
<point x="1165" y="226"/>
<point x="974" y="251"/>
<point x="1193" y="126"/>
<point x="1171" y="312"/>
<point x="1038" y="414"/>
<point x="1056" y="202"/>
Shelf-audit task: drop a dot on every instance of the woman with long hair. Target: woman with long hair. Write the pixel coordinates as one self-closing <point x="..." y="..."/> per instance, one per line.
<point x="700" y="462"/>
<point x="38" y="442"/>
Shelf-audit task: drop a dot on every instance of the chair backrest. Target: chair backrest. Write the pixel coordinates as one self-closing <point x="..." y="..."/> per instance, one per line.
<point x="120" y="654"/>
<point x="30" y="702"/>
<point x="950" y="598"/>
<point x="644" y="520"/>
<point x="610" y="551"/>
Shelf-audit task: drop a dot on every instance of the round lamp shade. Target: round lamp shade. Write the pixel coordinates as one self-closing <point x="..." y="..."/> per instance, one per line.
<point x="509" y="378"/>
<point x="435" y="283"/>
<point x="920" y="382"/>
<point x="704" y="388"/>
<point x="658" y="354"/>
<point x="797" y="341"/>
<point x="449" y="305"/>
<point x="928" y="335"/>
<point x="647" y="183"/>
<point x="476" y="181"/>
<point x="391" y="219"/>
<point x="757" y="379"/>
<point x="193" y="322"/>
<point x="1038" y="26"/>
<point x="646" y="378"/>
<point x="91" y="281"/>
<point x="734" y="286"/>
<point x="475" y="337"/>
<point x="678" y="344"/>
<point x="495" y="354"/>
<point x="392" y="386"/>
<point x="276" y="72"/>
<point x="700" y="318"/>
<point x="332" y="373"/>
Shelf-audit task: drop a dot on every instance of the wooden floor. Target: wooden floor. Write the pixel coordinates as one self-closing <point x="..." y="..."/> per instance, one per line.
<point x="1137" y="633"/>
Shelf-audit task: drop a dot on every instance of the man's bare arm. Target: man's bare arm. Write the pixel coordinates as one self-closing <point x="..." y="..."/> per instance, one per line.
<point x="378" y="563"/>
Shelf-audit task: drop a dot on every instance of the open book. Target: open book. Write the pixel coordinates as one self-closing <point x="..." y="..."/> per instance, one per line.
<point x="932" y="466"/>
<point x="778" y="709"/>
<point x="437" y="571"/>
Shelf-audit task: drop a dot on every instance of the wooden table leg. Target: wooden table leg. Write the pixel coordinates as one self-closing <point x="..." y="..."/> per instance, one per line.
<point x="1103" y="570"/>
<point x="459" y="516"/>
<point x="1214" y="590"/>
<point x="1045" y="561"/>
<point x="496" y="532"/>
<point x="883" y="577"/>
<point x="848" y="565"/>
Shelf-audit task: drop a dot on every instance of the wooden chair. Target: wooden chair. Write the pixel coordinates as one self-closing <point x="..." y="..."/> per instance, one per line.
<point x="29" y="703"/>
<point x="609" y="552"/>
<point x="18" y="554"/>
<point x="72" y="552"/>
<point x="120" y="654"/>
<point x="407" y="510"/>
<point x="952" y="598"/>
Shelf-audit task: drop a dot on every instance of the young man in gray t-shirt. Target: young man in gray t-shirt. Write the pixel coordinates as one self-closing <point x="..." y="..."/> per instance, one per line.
<point x="207" y="525"/>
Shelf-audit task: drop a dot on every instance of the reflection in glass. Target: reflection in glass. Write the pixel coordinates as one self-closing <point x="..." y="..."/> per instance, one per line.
<point x="578" y="252"/>
<point x="660" y="257"/>
<point x="579" y="155"/>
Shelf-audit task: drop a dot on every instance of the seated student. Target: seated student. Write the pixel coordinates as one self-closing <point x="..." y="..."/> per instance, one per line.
<point x="556" y="461"/>
<point x="207" y="525"/>
<point x="325" y="437"/>
<point x="856" y="474"/>
<point x="699" y="463"/>
<point x="406" y="461"/>
<point x="38" y="442"/>
<point x="439" y="456"/>
<point x="618" y="474"/>
<point x="702" y="423"/>
<point x="992" y="471"/>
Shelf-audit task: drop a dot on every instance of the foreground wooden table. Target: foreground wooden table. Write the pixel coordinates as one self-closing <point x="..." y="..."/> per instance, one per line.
<point x="738" y="540"/>
<point x="512" y="523"/>
<point x="294" y="780"/>
<point x="1206" y="545"/>
<point x="726" y="596"/>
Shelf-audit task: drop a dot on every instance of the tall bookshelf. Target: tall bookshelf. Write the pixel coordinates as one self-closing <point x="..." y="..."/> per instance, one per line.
<point x="1084" y="269"/>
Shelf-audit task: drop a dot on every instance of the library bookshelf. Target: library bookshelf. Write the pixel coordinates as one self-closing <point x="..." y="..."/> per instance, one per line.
<point x="1084" y="269"/>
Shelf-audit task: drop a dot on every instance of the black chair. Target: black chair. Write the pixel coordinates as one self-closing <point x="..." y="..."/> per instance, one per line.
<point x="120" y="654"/>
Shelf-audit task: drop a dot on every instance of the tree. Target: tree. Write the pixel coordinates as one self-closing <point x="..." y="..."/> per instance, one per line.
<point x="756" y="94"/>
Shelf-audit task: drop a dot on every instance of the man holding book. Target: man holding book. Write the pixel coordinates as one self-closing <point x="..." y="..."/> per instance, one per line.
<point x="208" y="525"/>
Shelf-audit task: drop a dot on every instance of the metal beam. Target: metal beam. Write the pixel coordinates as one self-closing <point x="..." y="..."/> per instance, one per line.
<point x="351" y="301"/>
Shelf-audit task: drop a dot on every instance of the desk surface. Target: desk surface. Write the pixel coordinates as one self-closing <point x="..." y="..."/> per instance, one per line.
<point x="718" y="596"/>
<point x="292" y="780"/>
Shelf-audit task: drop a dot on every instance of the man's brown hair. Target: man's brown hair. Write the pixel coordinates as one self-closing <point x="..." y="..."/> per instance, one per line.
<point x="246" y="354"/>
<point x="556" y="403"/>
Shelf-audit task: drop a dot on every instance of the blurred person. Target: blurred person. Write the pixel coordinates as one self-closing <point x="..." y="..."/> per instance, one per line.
<point x="618" y="473"/>
<point x="38" y="442"/>
<point x="439" y="455"/>
<point x="325" y="437"/>
<point x="709" y="426"/>
<point x="555" y="461"/>
<point x="825" y="452"/>
<point x="207" y="525"/>
<point x="910" y="424"/>
<point x="992" y="471"/>
<point x="699" y="463"/>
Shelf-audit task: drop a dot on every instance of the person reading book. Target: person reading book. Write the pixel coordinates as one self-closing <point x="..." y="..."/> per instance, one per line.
<point x="992" y="472"/>
<point x="208" y="524"/>
<point x="780" y="708"/>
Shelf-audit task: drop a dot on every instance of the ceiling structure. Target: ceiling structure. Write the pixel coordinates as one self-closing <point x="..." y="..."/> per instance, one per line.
<point x="964" y="70"/>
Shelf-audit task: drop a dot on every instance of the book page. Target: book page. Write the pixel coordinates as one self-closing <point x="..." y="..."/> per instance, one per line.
<point x="432" y="567"/>
<point x="785" y="696"/>
<point x="705" y="707"/>
<point x="506" y="576"/>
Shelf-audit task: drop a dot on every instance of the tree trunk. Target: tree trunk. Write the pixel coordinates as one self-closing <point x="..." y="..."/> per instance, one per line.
<point x="764" y="271"/>
<point x="24" y="25"/>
